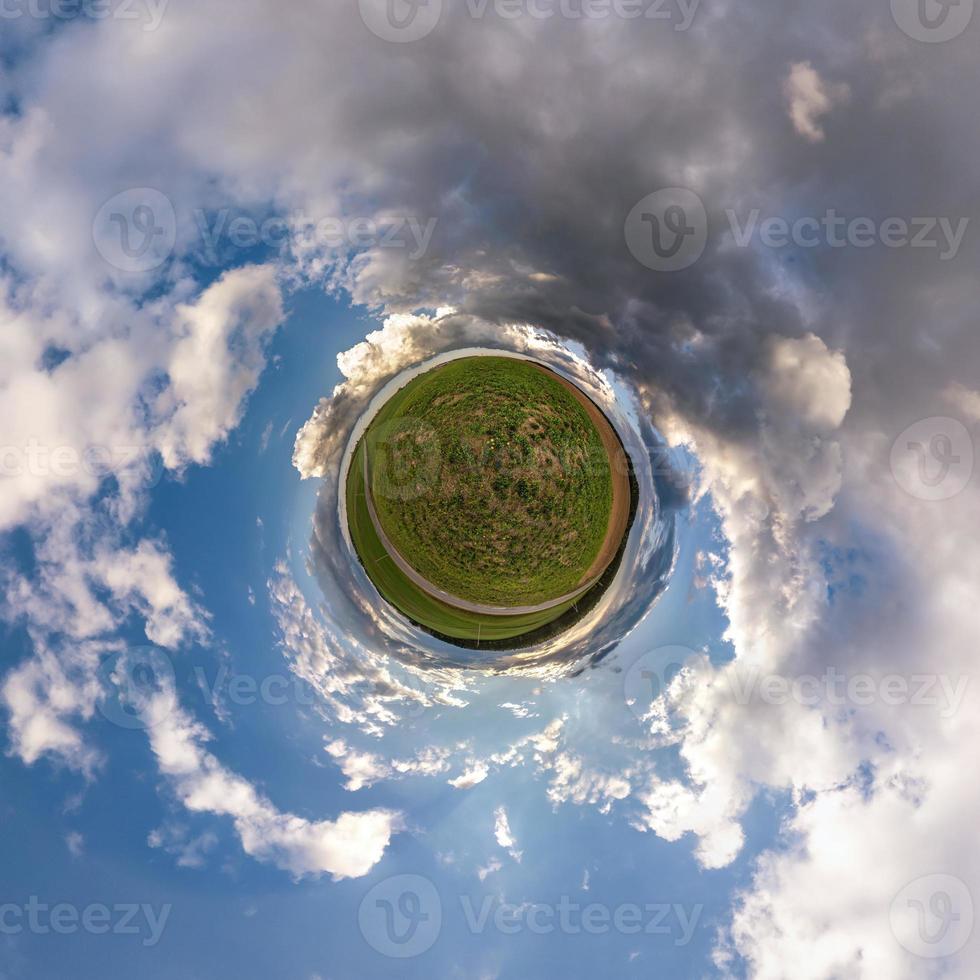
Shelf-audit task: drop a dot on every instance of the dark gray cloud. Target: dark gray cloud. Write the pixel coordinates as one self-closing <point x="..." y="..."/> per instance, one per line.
<point x="789" y="371"/>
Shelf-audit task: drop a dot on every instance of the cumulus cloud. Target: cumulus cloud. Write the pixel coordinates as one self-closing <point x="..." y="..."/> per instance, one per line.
<point x="364" y="768"/>
<point x="190" y="851"/>
<point x="573" y="781"/>
<point x="347" y="847"/>
<point x="216" y="361"/>
<point x="809" y="98"/>
<point x="789" y="380"/>
<point x="404" y="341"/>
<point x="355" y="685"/>
<point x="673" y="809"/>
<point x="70" y="606"/>
<point x="42" y="703"/>
<point x="79" y="453"/>
<point x="503" y="835"/>
<point x="491" y="867"/>
<point x="471" y="777"/>
<point x="965" y="400"/>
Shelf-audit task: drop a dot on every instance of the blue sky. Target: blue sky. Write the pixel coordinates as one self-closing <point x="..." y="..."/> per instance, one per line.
<point x="747" y="229"/>
<point x="232" y="914"/>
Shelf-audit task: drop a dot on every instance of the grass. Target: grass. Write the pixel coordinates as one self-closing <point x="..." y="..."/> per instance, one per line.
<point x="414" y="603"/>
<point x="490" y="478"/>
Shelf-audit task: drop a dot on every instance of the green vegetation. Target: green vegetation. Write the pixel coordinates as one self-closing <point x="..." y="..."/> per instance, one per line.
<point x="416" y="604"/>
<point x="491" y="480"/>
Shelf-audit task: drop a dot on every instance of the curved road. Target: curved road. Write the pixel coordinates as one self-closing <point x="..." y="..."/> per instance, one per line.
<point x="441" y="595"/>
<point x="619" y="470"/>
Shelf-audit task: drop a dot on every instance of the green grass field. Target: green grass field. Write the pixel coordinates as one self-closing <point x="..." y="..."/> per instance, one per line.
<point x="490" y="478"/>
<point x="404" y="595"/>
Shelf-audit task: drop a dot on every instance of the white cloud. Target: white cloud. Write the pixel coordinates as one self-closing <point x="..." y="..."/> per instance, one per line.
<point x="673" y="810"/>
<point x="794" y="486"/>
<point x="365" y="768"/>
<point x="808" y="382"/>
<point x="361" y="768"/>
<point x="216" y="361"/>
<point x="794" y="919"/>
<point x="84" y="420"/>
<point x="470" y="777"/>
<point x="142" y="578"/>
<point x="71" y="605"/>
<point x="872" y="782"/>
<point x="809" y="98"/>
<point x="190" y="851"/>
<point x="356" y="685"/>
<point x="573" y="781"/>
<point x="964" y="400"/>
<point x="404" y="340"/>
<point x="348" y="847"/>
<point x="520" y="710"/>
<point x="503" y="835"/>
<point x="43" y="703"/>
<point x="491" y="867"/>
